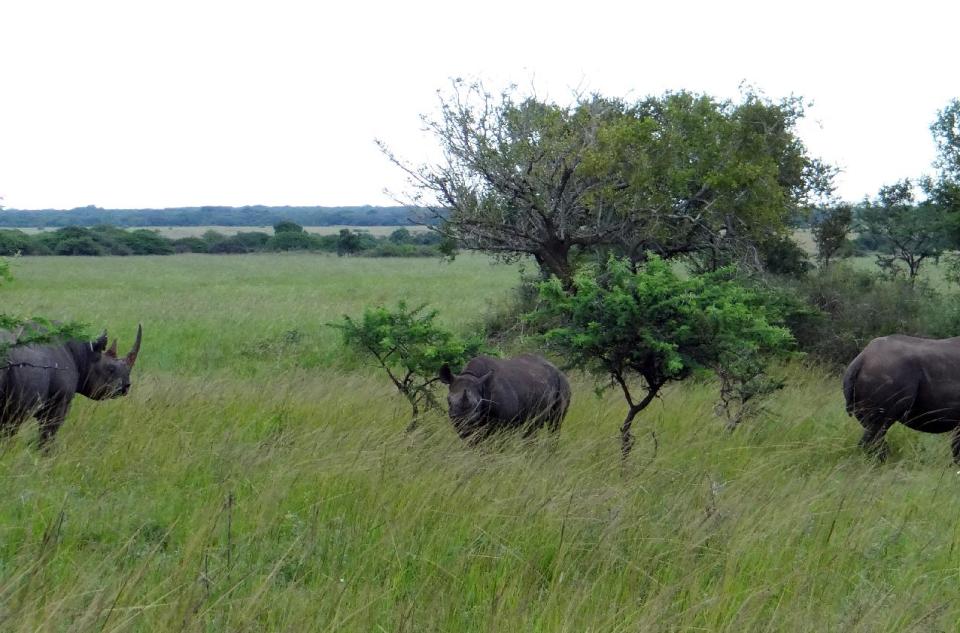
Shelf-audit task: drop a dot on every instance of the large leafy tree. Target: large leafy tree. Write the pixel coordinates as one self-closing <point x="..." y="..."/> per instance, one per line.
<point x="831" y="232"/>
<point x="641" y="327"/>
<point x="906" y="232"/>
<point x="946" y="134"/>
<point x="944" y="189"/>
<point x="678" y="174"/>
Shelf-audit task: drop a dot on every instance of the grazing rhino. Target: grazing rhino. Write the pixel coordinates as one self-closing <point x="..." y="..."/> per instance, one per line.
<point x="915" y="381"/>
<point x="41" y="380"/>
<point x="491" y="394"/>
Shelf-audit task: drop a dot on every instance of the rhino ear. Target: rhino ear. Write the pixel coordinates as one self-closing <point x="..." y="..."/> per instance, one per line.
<point x="446" y="376"/>
<point x="100" y="343"/>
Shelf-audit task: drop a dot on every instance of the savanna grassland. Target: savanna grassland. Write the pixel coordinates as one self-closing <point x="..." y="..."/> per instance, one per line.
<point x="259" y="479"/>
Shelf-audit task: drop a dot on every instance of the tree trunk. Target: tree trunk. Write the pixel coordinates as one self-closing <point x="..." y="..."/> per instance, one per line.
<point x="626" y="437"/>
<point x="554" y="259"/>
<point x="415" y="417"/>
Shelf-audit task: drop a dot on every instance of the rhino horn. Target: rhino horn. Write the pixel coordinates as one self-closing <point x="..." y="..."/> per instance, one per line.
<point x="112" y="352"/>
<point x="132" y="356"/>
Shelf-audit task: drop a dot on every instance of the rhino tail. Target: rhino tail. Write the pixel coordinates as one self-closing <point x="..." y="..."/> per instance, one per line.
<point x="850" y="380"/>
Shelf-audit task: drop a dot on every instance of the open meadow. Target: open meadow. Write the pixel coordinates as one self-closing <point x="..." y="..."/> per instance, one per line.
<point x="258" y="478"/>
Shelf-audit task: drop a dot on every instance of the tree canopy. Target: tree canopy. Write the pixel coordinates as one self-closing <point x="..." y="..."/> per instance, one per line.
<point x="944" y="189"/>
<point x="676" y="174"/>
<point x="831" y="232"/>
<point x="905" y="231"/>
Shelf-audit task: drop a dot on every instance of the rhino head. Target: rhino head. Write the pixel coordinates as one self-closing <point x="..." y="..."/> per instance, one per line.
<point x="468" y="401"/>
<point x="107" y="375"/>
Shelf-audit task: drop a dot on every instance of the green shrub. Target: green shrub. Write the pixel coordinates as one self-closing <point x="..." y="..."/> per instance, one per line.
<point x="144" y="242"/>
<point x="624" y="323"/>
<point x="191" y="245"/>
<point x="286" y="226"/>
<point x="16" y="242"/>
<point x="781" y="255"/>
<point x="836" y="311"/>
<point x="227" y="246"/>
<point x="401" y="236"/>
<point x="211" y="237"/>
<point x="252" y="240"/>
<point x="354" y="242"/>
<point x="79" y="246"/>
<point x="410" y="347"/>
<point x="290" y="241"/>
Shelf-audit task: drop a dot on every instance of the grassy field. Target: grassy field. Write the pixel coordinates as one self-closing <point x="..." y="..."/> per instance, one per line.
<point x="257" y="479"/>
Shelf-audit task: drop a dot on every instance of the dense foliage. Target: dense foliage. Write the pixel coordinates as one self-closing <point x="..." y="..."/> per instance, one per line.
<point x="257" y="215"/>
<point x="905" y="232"/>
<point x="678" y="174"/>
<point x="831" y="233"/>
<point x="624" y="323"/>
<point x="834" y="312"/>
<point x="944" y="188"/>
<point x="410" y="347"/>
<point x="110" y="240"/>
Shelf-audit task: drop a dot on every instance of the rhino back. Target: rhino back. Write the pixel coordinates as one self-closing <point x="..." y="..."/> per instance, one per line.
<point x="33" y="375"/>
<point x="525" y="387"/>
<point x="916" y="377"/>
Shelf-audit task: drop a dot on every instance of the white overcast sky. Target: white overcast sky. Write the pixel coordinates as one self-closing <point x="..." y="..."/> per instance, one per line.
<point x="169" y="103"/>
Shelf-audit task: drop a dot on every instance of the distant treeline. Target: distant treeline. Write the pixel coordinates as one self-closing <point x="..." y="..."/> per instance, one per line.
<point x="287" y="236"/>
<point x="258" y="215"/>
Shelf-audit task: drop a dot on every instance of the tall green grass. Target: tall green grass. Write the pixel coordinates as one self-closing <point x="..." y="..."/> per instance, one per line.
<point x="275" y="489"/>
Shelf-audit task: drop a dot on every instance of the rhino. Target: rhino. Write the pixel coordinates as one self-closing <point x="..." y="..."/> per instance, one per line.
<point x="41" y="380"/>
<point x="493" y="394"/>
<point x="906" y="379"/>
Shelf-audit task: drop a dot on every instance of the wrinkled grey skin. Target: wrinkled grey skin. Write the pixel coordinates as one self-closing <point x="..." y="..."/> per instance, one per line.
<point x="914" y="381"/>
<point x="492" y="394"/>
<point x="41" y="380"/>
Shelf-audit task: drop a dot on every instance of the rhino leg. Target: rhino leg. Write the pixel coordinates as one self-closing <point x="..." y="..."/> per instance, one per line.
<point x="873" y="440"/>
<point x="557" y="413"/>
<point x="51" y="419"/>
<point x="553" y="424"/>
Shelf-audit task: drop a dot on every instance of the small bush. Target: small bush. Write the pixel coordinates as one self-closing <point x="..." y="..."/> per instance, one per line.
<point x="143" y="242"/>
<point x="291" y="241"/>
<point x="190" y="245"/>
<point x="401" y="236"/>
<point x="781" y="255"/>
<point x="408" y="345"/>
<point x="642" y="327"/>
<point x="79" y="246"/>
<point x="836" y="311"/>
<point x="286" y="226"/>
<point x="228" y="246"/>
<point x="252" y="240"/>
